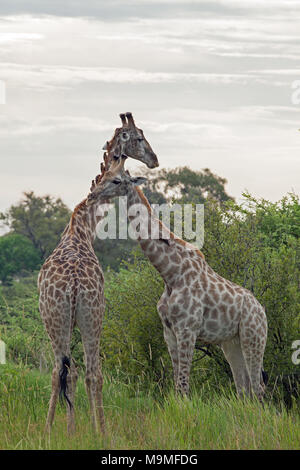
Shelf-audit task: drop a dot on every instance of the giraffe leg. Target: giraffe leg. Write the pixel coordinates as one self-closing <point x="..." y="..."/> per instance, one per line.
<point x="61" y="349"/>
<point x="171" y="341"/>
<point x="253" y="343"/>
<point x="233" y="352"/>
<point x="254" y="361"/>
<point x="56" y="387"/>
<point x="54" y="397"/>
<point x="99" y="400"/>
<point x="71" y="381"/>
<point x="169" y="336"/>
<point x="186" y="340"/>
<point x="89" y="323"/>
<point x="94" y="382"/>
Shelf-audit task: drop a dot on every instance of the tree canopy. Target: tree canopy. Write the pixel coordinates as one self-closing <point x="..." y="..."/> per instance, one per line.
<point x="185" y="186"/>
<point x="17" y="254"/>
<point x="39" y="219"/>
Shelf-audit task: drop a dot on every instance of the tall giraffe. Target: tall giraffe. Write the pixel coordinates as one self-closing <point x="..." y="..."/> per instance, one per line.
<point x="197" y="302"/>
<point x="71" y="287"/>
<point x="130" y="141"/>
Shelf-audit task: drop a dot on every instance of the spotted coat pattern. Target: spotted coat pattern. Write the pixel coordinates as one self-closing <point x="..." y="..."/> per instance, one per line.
<point x="199" y="303"/>
<point x="71" y="287"/>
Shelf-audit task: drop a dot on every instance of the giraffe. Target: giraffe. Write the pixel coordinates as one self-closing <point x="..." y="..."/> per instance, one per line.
<point x="71" y="287"/>
<point x="197" y="302"/>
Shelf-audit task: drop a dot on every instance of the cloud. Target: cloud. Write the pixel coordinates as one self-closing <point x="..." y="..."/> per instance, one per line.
<point x="17" y="37"/>
<point x="208" y="82"/>
<point x="42" y="77"/>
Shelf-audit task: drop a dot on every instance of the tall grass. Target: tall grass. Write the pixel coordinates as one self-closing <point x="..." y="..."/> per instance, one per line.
<point x="137" y="420"/>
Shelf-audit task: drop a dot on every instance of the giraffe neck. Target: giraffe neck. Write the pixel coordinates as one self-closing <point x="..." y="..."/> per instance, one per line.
<point x="83" y="223"/>
<point x="162" y="250"/>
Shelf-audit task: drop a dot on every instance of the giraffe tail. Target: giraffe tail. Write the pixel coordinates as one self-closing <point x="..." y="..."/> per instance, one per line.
<point x="264" y="377"/>
<point x="66" y="361"/>
<point x="63" y="373"/>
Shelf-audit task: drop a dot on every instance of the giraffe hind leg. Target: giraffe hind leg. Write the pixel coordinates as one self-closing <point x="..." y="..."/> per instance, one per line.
<point x="233" y="352"/>
<point x="253" y="346"/>
<point x="254" y="362"/>
<point x="71" y="389"/>
<point x="54" y="397"/>
<point x="89" y="321"/>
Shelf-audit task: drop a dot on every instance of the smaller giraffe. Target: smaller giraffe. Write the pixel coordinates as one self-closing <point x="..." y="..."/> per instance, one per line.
<point x="70" y="284"/>
<point x="197" y="302"/>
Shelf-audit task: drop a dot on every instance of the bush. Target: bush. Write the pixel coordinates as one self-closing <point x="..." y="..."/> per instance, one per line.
<point x="255" y="244"/>
<point x="132" y="339"/>
<point x="17" y="255"/>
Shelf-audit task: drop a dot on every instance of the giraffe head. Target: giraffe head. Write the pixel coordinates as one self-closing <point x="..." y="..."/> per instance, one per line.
<point x="130" y="140"/>
<point x="114" y="181"/>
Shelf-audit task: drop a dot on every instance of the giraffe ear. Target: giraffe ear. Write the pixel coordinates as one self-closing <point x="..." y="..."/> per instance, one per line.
<point x="105" y="146"/>
<point x="138" y="180"/>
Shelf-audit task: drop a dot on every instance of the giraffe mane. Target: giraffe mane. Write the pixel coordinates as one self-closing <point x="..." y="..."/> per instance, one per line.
<point x="75" y="212"/>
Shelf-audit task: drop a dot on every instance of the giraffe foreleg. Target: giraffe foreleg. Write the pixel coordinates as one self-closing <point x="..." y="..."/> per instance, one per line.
<point x="186" y="340"/>
<point x="171" y="342"/>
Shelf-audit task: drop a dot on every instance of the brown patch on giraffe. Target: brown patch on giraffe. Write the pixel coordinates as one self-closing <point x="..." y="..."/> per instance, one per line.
<point x="185" y="265"/>
<point x="208" y="301"/>
<point x="226" y="297"/>
<point x="191" y="322"/>
<point x="223" y="308"/>
<point x="232" y="312"/>
<point x="175" y="258"/>
<point x="195" y="265"/>
<point x="214" y="314"/>
<point x="195" y="305"/>
<point x="230" y="289"/>
<point x="60" y="284"/>
<point x="174" y="309"/>
<point x="190" y="276"/>
<point x="180" y="283"/>
<point x="221" y="286"/>
<point x="51" y="290"/>
<point x="211" y="325"/>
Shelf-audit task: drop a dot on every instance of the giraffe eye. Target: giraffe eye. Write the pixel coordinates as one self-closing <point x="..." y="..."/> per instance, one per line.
<point x="116" y="181"/>
<point x="125" y="136"/>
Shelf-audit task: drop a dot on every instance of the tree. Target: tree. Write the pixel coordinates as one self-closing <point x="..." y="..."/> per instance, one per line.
<point x="40" y="219"/>
<point x="185" y="186"/>
<point x="17" y="254"/>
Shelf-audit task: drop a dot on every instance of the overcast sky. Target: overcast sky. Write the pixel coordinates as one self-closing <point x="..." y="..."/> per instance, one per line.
<point x="209" y="82"/>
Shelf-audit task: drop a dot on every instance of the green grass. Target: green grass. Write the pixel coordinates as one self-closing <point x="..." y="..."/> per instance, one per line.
<point x="136" y="420"/>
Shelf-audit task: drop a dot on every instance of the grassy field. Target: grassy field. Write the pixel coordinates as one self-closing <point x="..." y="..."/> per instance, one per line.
<point x="135" y="420"/>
